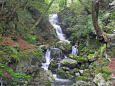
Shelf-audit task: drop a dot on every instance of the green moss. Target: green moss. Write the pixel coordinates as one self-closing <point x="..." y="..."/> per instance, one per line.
<point x="64" y="46"/>
<point x="86" y="73"/>
<point x="37" y="54"/>
<point x="80" y="78"/>
<point x="107" y="71"/>
<point x="61" y="73"/>
<point x="106" y="76"/>
<point x="81" y="59"/>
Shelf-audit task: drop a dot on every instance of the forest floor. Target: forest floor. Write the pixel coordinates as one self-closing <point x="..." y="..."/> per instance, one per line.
<point x="111" y="66"/>
<point x="22" y="44"/>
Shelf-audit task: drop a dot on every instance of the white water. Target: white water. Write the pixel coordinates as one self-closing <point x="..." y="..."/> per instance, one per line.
<point x="75" y="50"/>
<point x="1" y="82"/>
<point x="47" y="58"/>
<point x="53" y="18"/>
<point x="59" y="79"/>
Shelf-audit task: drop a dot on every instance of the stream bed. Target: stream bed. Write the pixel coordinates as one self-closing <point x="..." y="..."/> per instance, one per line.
<point x="53" y="18"/>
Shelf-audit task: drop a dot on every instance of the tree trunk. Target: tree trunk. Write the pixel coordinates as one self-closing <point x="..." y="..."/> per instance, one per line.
<point x="95" y="10"/>
<point x="100" y="33"/>
<point x="43" y="14"/>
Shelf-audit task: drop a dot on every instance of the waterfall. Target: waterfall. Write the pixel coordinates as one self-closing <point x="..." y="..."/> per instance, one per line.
<point x="1" y="82"/>
<point x="47" y="58"/>
<point x="75" y="50"/>
<point x="53" y="18"/>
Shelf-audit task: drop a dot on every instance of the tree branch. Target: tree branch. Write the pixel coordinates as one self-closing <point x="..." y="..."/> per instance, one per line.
<point x="43" y="14"/>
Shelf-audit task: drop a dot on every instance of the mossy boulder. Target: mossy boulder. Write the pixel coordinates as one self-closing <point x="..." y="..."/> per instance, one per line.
<point x="61" y="74"/>
<point x="73" y="71"/>
<point x="65" y="46"/>
<point x="44" y="47"/>
<point x="82" y="78"/>
<point x="53" y="66"/>
<point x="78" y="58"/>
<point x="67" y="62"/>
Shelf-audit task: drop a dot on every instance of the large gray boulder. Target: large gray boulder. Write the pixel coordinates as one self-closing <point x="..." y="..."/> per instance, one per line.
<point x="67" y="62"/>
<point x="56" y="54"/>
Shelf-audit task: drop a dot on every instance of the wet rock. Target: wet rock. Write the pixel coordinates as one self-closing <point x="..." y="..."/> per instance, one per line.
<point x="67" y="62"/>
<point x="61" y="74"/>
<point x="56" y="54"/>
<point x="73" y="71"/>
<point x="77" y="74"/>
<point x="53" y="66"/>
<point x="44" y="47"/>
<point x="65" y="46"/>
<point x="65" y="68"/>
<point x="81" y="71"/>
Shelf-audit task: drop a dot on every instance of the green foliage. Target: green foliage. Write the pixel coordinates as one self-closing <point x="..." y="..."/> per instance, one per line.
<point x="107" y="71"/>
<point x="37" y="54"/>
<point x="38" y="4"/>
<point x="7" y="53"/>
<point x="18" y="76"/>
<point x="81" y="78"/>
<point x="39" y="75"/>
<point x="1" y="29"/>
<point x="30" y="38"/>
<point x="14" y="77"/>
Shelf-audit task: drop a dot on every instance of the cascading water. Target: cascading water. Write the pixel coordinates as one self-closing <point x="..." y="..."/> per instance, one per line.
<point x="75" y="50"/>
<point x="53" y="18"/>
<point x="1" y="82"/>
<point x="47" y="58"/>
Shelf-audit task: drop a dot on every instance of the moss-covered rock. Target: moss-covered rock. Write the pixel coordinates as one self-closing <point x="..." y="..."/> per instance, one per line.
<point x="92" y="57"/>
<point x="62" y="74"/>
<point x="53" y="66"/>
<point x="65" y="46"/>
<point x="44" y="47"/>
<point x="69" y="63"/>
<point x="78" y="58"/>
<point x="82" y="78"/>
<point x="73" y="71"/>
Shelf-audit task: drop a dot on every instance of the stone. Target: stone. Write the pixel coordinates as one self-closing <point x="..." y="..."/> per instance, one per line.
<point x="65" y="46"/>
<point x="44" y="47"/>
<point x="53" y="66"/>
<point x="81" y="71"/>
<point x="61" y="74"/>
<point x="101" y="81"/>
<point x="56" y="54"/>
<point x="77" y="74"/>
<point x="67" y="62"/>
<point x="82" y="83"/>
<point x="65" y="68"/>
